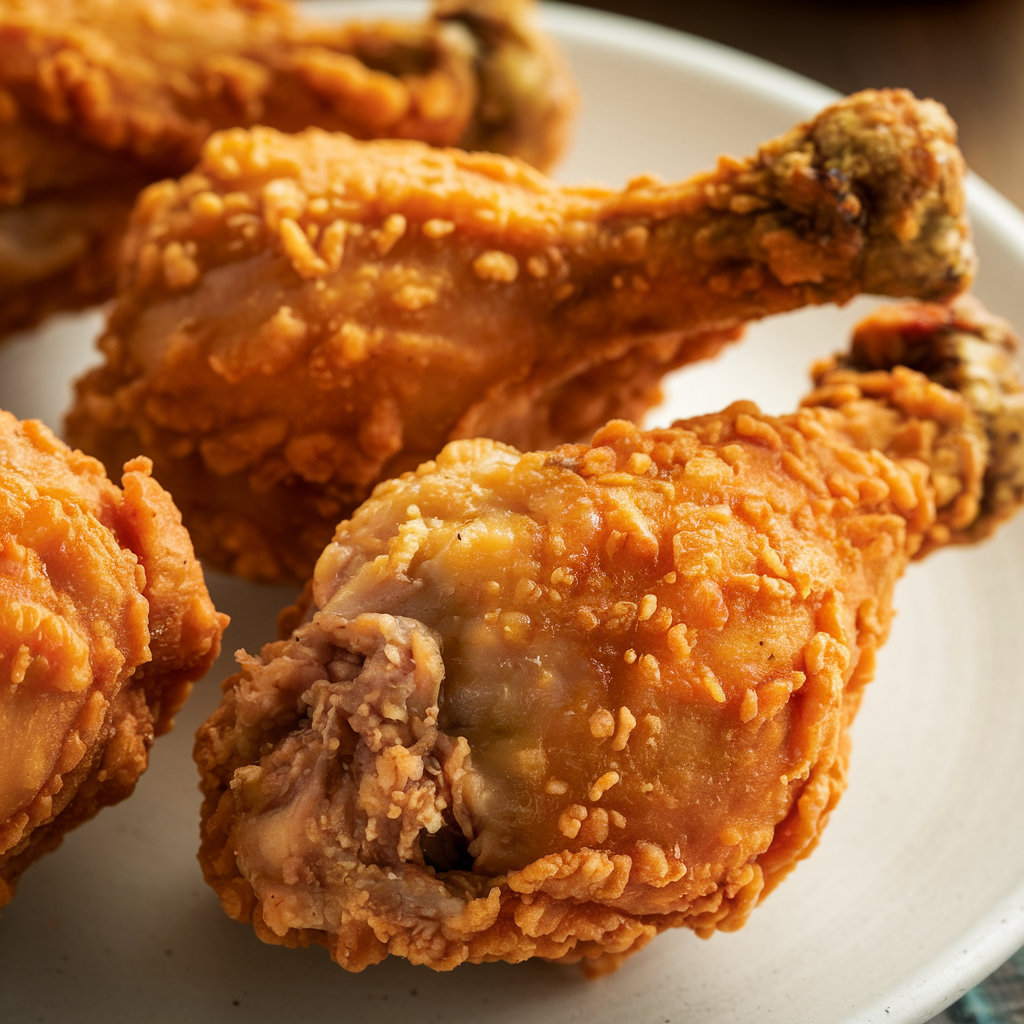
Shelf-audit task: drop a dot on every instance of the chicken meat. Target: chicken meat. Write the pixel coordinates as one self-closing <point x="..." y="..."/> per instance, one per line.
<point x="304" y="316"/>
<point x="551" y="704"/>
<point x="105" y="623"/>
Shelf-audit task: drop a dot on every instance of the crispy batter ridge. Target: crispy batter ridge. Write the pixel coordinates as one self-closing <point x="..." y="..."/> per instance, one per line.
<point x="551" y="704"/>
<point x="305" y="316"/>
<point x="965" y="348"/>
<point x="105" y="623"/>
<point x="100" y="97"/>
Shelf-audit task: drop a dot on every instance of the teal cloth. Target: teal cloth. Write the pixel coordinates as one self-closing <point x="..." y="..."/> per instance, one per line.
<point x="999" y="999"/>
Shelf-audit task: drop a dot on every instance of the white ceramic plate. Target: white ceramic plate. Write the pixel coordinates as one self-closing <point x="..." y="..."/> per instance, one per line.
<point x="917" y="889"/>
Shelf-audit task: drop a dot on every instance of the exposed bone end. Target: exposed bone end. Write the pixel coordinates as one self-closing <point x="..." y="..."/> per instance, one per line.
<point x="896" y="158"/>
<point x="964" y="348"/>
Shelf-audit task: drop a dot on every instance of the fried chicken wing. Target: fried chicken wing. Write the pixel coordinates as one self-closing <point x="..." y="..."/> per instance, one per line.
<point x="105" y="623"/>
<point x="551" y="704"/>
<point x="305" y="316"/>
<point x="100" y="97"/>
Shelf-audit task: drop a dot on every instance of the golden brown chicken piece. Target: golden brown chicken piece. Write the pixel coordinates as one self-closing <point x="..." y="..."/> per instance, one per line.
<point x="552" y="704"/>
<point x="105" y="623"/>
<point x="305" y="316"/>
<point x="100" y="97"/>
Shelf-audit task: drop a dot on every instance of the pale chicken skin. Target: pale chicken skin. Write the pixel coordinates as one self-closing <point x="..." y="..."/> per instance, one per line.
<point x="305" y="316"/>
<point x="551" y="704"/>
<point x="105" y="623"/>
<point x="98" y="98"/>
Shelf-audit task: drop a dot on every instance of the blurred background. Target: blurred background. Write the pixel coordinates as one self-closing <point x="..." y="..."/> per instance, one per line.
<point x="967" y="53"/>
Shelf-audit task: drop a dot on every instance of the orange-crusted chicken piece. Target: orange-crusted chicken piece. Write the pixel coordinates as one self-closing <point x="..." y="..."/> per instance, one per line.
<point x="552" y="704"/>
<point x="305" y="316"/>
<point x="100" y="97"/>
<point x="105" y="623"/>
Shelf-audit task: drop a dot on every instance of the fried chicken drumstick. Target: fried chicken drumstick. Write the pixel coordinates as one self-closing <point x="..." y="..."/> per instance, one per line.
<point x="552" y="704"/>
<point x="305" y="316"/>
<point x="100" y="97"/>
<point x="105" y="623"/>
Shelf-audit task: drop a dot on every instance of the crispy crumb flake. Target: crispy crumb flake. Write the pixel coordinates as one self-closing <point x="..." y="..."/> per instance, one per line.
<point x="496" y="266"/>
<point x="180" y="270"/>
<point x="562" y="576"/>
<point x="650" y="670"/>
<point x="282" y="198"/>
<point x="677" y="642"/>
<point x="602" y="724"/>
<point x="206" y="206"/>
<point x="414" y="297"/>
<point x="602" y="785"/>
<point x="748" y="706"/>
<point x="389" y="233"/>
<point x="758" y="430"/>
<point x="537" y="266"/>
<point x="653" y="866"/>
<point x="713" y="686"/>
<point x="300" y="251"/>
<point x="332" y="244"/>
<point x="626" y="724"/>
<point x="438" y="228"/>
<point x="20" y="664"/>
<point x="639" y="463"/>
<point x="571" y="820"/>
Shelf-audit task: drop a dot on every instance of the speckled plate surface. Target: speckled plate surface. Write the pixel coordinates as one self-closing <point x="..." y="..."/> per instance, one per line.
<point x="917" y="889"/>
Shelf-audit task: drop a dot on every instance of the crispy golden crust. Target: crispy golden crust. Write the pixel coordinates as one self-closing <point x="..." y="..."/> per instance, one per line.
<point x="99" y="97"/>
<point x="963" y="347"/>
<point x="551" y="704"/>
<point x="304" y="316"/>
<point x="105" y="623"/>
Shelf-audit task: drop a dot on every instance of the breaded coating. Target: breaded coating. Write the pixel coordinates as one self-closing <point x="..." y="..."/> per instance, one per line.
<point x="105" y="623"/>
<point x="100" y="97"/>
<point x="964" y="348"/>
<point x="305" y="316"/>
<point x="552" y="704"/>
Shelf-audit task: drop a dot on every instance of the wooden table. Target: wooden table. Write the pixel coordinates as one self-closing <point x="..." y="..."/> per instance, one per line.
<point x="967" y="53"/>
